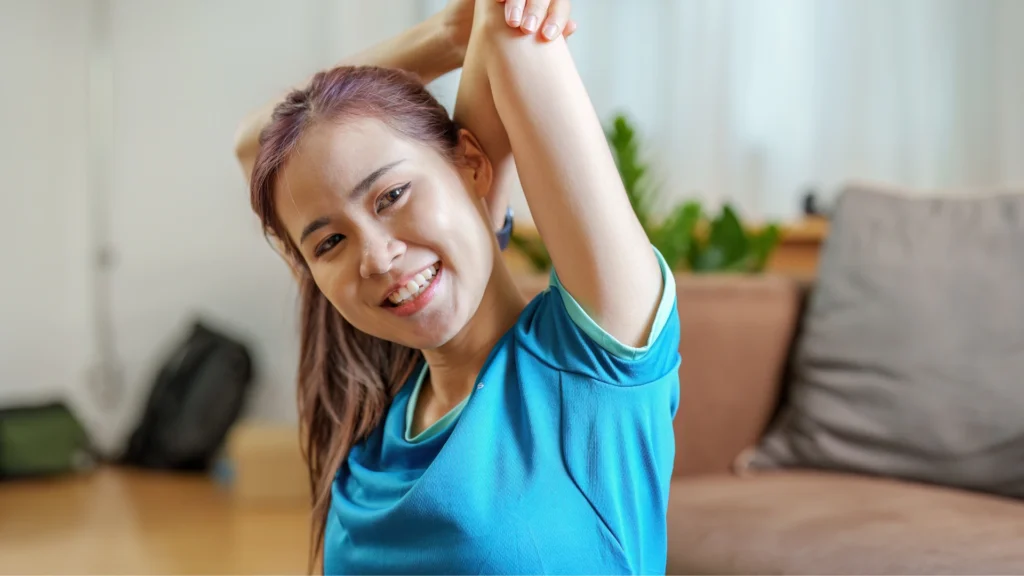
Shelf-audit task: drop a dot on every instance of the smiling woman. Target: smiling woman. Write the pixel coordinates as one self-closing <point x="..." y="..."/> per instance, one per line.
<point x="446" y="421"/>
<point x="361" y="201"/>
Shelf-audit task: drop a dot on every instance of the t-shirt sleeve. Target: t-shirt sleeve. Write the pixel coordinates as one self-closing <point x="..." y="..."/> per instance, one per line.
<point x="570" y="340"/>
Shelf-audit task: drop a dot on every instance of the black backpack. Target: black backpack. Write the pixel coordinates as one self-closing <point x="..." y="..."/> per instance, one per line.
<point x="196" y="398"/>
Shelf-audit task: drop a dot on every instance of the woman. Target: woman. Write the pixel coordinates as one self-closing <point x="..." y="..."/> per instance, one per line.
<point x="450" y="426"/>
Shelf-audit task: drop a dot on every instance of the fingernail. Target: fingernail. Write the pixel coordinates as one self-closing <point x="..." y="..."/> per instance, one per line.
<point x="531" y="23"/>
<point x="514" y="15"/>
<point x="550" y="31"/>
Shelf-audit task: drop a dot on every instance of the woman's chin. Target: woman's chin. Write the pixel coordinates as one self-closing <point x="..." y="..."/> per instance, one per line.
<point x="429" y="334"/>
<point x="432" y="339"/>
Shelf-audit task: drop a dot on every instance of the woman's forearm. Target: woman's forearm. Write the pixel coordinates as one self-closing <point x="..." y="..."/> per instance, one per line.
<point x="475" y="111"/>
<point x="474" y="105"/>
<point x="425" y="49"/>
<point x="575" y="193"/>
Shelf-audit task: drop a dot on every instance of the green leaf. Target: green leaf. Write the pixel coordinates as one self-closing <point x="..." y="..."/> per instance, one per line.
<point x="710" y="258"/>
<point x="727" y="237"/>
<point x="762" y="244"/>
<point x="675" y="236"/>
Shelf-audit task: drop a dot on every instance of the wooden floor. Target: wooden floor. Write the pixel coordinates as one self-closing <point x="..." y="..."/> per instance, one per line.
<point x="127" y="522"/>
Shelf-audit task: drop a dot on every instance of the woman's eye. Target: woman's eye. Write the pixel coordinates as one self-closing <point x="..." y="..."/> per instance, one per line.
<point x="392" y="196"/>
<point x="328" y="243"/>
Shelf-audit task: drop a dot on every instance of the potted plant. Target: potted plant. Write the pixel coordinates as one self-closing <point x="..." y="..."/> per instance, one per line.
<point x="736" y="320"/>
<point x="691" y="240"/>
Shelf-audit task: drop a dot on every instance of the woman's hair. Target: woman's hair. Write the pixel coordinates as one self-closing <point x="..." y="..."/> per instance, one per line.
<point x="346" y="378"/>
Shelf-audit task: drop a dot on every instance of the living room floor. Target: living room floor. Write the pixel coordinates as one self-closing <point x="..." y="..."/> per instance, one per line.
<point x="115" y="521"/>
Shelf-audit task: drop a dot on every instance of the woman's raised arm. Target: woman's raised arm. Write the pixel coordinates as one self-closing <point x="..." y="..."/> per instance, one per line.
<point x="428" y="49"/>
<point x="600" y="252"/>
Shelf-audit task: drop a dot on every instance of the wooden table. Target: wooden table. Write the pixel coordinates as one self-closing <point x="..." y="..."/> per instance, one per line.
<point x="116" y="521"/>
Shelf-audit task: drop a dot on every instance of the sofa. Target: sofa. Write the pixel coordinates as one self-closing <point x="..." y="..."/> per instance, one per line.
<point x="867" y="420"/>
<point x="737" y="348"/>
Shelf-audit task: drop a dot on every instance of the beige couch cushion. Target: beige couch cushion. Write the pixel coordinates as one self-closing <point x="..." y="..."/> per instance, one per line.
<point x="822" y="523"/>
<point x="911" y="351"/>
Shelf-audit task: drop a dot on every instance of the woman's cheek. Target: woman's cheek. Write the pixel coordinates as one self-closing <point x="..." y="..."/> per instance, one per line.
<point x="333" y="284"/>
<point x="428" y="214"/>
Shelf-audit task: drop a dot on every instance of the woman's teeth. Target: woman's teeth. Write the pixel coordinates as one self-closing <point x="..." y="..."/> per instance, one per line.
<point x="415" y="286"/>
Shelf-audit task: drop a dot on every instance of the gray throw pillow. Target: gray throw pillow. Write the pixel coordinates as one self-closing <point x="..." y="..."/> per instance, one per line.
<point x="910" y="362"/>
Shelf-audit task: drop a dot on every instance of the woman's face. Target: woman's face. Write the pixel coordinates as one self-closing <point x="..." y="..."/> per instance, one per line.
<point x="394" y="235"/>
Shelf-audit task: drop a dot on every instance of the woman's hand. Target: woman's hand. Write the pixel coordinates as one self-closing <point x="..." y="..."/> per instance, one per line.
<point x="549" y="17"/>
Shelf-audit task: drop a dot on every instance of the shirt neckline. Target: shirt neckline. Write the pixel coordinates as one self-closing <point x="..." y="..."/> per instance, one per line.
<point x="437" y="427"/>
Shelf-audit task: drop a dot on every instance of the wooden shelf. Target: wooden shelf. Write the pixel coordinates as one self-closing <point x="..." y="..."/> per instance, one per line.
<point x="800" y="248"/>
<point x="796" y="254"/>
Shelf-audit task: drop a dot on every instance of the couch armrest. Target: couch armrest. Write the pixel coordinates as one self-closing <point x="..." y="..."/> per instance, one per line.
<point x="736" y="336"/>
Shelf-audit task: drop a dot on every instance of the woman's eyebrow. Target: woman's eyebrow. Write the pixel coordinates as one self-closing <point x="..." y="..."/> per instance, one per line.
<point x="313" y="227"/>
<point x="364" y="186"/>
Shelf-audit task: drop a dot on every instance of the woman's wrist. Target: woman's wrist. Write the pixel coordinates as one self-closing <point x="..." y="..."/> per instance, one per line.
<point x="453" y="36"/>
<point x="437" y="46"/>
<point x="425" y="49"/>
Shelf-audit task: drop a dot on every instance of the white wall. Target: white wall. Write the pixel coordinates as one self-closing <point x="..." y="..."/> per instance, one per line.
<point x="44" y="240"/>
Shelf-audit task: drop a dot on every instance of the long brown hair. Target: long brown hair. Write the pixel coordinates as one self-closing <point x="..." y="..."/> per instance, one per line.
<point x="346" y="378"/>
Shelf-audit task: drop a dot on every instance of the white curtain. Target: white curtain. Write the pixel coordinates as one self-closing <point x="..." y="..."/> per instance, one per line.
<point x="757" y="101"/>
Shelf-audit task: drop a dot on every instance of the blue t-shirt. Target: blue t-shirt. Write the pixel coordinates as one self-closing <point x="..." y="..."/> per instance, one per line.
<point x="558" y="461"/>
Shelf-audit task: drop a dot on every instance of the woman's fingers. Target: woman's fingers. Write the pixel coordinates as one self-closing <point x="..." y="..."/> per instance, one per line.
<point x="550" y="17"/>
<point x="514" y="12"/>
<point x="557" y="19"/>
<point x="534" y="15"/>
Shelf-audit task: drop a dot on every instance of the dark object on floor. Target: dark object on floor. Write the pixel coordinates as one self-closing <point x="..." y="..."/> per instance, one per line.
<point x="198" y="394"/>
<point x="42" y="440"/>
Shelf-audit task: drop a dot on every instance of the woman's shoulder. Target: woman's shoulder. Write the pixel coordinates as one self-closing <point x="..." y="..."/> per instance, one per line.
<point x="558" y="331"/>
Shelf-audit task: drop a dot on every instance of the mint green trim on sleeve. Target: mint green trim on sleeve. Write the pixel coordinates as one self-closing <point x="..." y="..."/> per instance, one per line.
<point x="608" y="342"/>
<point x="436" y="427"/>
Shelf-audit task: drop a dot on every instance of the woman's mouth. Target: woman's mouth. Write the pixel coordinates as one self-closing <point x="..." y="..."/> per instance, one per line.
<point x="416" y="293"/>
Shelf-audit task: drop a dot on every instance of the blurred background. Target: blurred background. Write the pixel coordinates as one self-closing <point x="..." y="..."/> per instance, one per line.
<point x="126" y="217"/>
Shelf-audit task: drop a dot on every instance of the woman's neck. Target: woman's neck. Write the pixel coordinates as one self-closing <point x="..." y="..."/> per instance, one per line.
<point x="455" y="365"/>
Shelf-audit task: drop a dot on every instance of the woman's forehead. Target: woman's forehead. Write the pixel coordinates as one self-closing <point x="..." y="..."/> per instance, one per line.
<point x="339" y="154"/>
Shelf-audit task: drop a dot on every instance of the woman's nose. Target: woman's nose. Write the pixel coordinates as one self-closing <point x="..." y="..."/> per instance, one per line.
<point x="379" y="254"/>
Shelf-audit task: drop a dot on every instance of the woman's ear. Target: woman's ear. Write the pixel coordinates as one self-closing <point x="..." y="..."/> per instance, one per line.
<point x="474" y="164"/>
